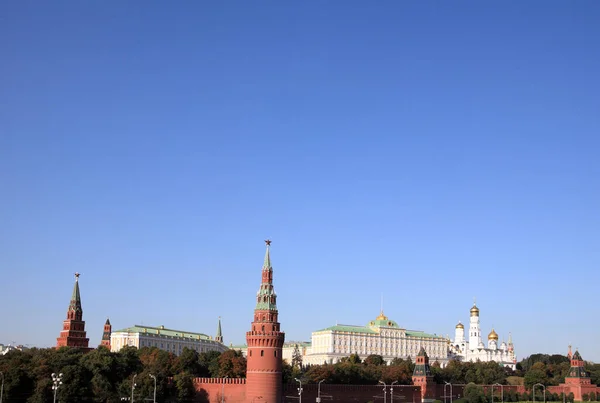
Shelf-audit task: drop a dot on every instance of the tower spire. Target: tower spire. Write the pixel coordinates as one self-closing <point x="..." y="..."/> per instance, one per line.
<point x="219" y="336"/>
<point x="267" y="262"/>
<point x="75" y="303"/>
<point x="73" y="333"/>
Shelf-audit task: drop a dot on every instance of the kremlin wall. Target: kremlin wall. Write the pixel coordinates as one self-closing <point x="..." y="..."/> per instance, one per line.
<point x="265" y="344"/>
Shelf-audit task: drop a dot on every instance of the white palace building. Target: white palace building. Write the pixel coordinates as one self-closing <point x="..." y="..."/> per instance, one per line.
<point x="473" y="349"/>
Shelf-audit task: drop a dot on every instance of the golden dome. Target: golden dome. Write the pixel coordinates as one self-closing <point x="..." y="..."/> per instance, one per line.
<point x="460" y="326"/>
<point x="474" y="310"/>
<point x="493" y="335"/>
<point x="381" y="316"/>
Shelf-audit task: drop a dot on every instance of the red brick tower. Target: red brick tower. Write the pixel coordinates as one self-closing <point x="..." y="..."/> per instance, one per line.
<point x="265" y="343"/>
<point x="423" y="377"/>
<point x="106" y="335"/>
<point x="73" y="332"/>
<point x="578" y="379"/>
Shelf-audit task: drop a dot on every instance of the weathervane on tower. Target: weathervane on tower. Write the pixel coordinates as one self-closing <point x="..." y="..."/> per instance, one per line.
<point x="77" y="276"/>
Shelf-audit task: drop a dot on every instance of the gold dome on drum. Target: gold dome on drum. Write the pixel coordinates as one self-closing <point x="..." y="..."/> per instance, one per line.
<point x="493" y="335"/>
<point x="381" y="316"/>
<point x="460" y="326"/>
<point x="474" y="310"/>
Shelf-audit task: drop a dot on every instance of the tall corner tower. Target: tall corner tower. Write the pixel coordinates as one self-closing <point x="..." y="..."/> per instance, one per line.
<point x="265" y="343"/>
<point x="106" y="334"/>
<point x="73" y="331"/>
<point x="474" y="330"/>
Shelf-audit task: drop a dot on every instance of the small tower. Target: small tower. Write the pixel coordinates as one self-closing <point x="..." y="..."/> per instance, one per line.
<point x="578" y="379"/>
<point x="219" y="336"/>
<point x="577" y="374"/>
<point x="459" y="334"/>
<point x="73" y="332"/>
<point x="265" y="342"/>
<point x="106" y="334"/>
<point x="474" y="331"/>
<point x="423" y="377"/>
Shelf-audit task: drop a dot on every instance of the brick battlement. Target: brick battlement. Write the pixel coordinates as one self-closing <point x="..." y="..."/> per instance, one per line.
<point x="226" y="381"/>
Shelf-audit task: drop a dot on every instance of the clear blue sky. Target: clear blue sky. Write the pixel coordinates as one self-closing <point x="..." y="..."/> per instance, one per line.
<point x="428" y="151"/>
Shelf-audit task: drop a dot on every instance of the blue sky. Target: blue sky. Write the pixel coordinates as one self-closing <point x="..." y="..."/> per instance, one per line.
<point x="431" y="152"/>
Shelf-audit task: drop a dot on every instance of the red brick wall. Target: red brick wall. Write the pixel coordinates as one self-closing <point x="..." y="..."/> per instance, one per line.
<point x="210" y="390"/>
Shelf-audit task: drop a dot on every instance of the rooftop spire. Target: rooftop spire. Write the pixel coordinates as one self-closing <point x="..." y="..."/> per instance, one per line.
<point x="75" y="303"/>
<point x="219" y="336"/>
<point x="267" y="263"/>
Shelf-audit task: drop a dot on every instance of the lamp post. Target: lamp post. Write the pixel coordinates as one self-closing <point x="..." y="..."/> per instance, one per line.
<point x="501" y="391"/>
<point x="223" y="390"/>
<point x="154" y="377"/>
<point x="533" y="391"/>
<point x="2" y="387"/>
<point x="445" y="394"/>
<point x="56" y="382"/>
<point x="384" y="392"/>
<point x="299" y="390"/>
<point x="318" y="391"/>
<point x="133" y="387"/>
<point x="392" y="391"/>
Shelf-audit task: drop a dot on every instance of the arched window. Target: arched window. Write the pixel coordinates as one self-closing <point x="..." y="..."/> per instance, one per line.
<point x="250" y="353"/>
<point x="275" y="352"/>
<point x="262" y="353"/>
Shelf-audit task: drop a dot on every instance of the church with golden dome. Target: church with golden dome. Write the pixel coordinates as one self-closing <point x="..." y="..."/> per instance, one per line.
<point x="473" y="348"/>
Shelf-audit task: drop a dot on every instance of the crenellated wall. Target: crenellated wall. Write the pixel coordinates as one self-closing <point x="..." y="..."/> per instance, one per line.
<point x="210" y="390"/>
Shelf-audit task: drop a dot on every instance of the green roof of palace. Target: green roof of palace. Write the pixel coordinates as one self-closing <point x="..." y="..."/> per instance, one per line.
<point x="369" y="330"/>
<point x="164" y="332"/>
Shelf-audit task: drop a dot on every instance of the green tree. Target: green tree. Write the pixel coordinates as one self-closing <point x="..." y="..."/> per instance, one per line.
<point x="185" y="387"/>
<point x="232" y="364"/>
<point x="374" y="359"/>
<point x="188" y="361"/>
<point x="209" y="363"/>
<point x="474" y="393"/>
<point x="296" y="358"/>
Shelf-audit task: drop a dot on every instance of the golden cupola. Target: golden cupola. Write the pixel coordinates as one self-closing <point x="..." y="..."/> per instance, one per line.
<point x="474" y="310"/>
<point x="460" y="326"/>
<point x="381" y="316"/>
<point x="493" y="335"/>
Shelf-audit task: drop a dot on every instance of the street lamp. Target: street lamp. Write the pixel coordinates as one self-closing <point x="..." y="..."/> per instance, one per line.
<point x="318" y="391"/>
<point x="392" y="391"/>
<point x="501" y="391"/>
<point x="133" y="387"/>
<point x="533" y="392"/>
<point x="384" y="392"/>
<point x="153" y="377"/>
<point x="56" y="382"/>
<point x="223" y="390"/>
<point x="299" y="390"/>
<point x="2" y="387"/>
<point x="445" y="394"/>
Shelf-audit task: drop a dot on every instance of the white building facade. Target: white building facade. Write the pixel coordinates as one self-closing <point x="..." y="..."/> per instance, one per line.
<point x="473" y="348"/>
<point x="381" y="336"/>
<point x="173" y="341"/>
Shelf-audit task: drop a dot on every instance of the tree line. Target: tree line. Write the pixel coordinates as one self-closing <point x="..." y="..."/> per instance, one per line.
<point x="103" y="376"/>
